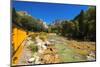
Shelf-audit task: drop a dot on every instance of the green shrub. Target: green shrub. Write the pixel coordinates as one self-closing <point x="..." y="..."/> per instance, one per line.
<point x="33" y="48"/>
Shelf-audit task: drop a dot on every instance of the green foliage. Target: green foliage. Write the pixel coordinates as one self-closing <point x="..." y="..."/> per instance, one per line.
<point x="27" y="22"/>
<point x="82" y="27"/>
<point x="33" y="48"/>
<point x="67" y="28"/>
<point x="14" y="15"/>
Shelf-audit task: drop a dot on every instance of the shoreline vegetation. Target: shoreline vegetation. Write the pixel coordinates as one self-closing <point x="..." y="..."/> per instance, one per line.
<point x="61" y="41"/>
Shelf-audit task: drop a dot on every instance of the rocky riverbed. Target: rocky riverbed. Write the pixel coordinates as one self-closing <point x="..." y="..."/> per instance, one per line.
<point x="56" y="49"/>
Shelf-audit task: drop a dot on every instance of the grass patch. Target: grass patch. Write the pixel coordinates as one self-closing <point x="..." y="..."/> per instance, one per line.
<point x="33" y="48"/>
<point x="67" y="54"/>
<point x="82" y="48"/>
<point x="42" y="35"/>
<point x="34" y="35"/>
<point x="82" y="52"/>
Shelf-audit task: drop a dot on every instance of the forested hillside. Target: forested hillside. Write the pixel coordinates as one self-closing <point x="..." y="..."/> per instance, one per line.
<point x="27" y="22"/>
<point x="83" y="26"/>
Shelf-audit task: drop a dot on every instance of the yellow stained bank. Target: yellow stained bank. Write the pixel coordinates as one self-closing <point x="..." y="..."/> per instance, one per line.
<point x="18" y="37"/>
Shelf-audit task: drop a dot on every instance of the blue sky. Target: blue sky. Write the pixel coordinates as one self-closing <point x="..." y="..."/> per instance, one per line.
<point x="49" y="12"/>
